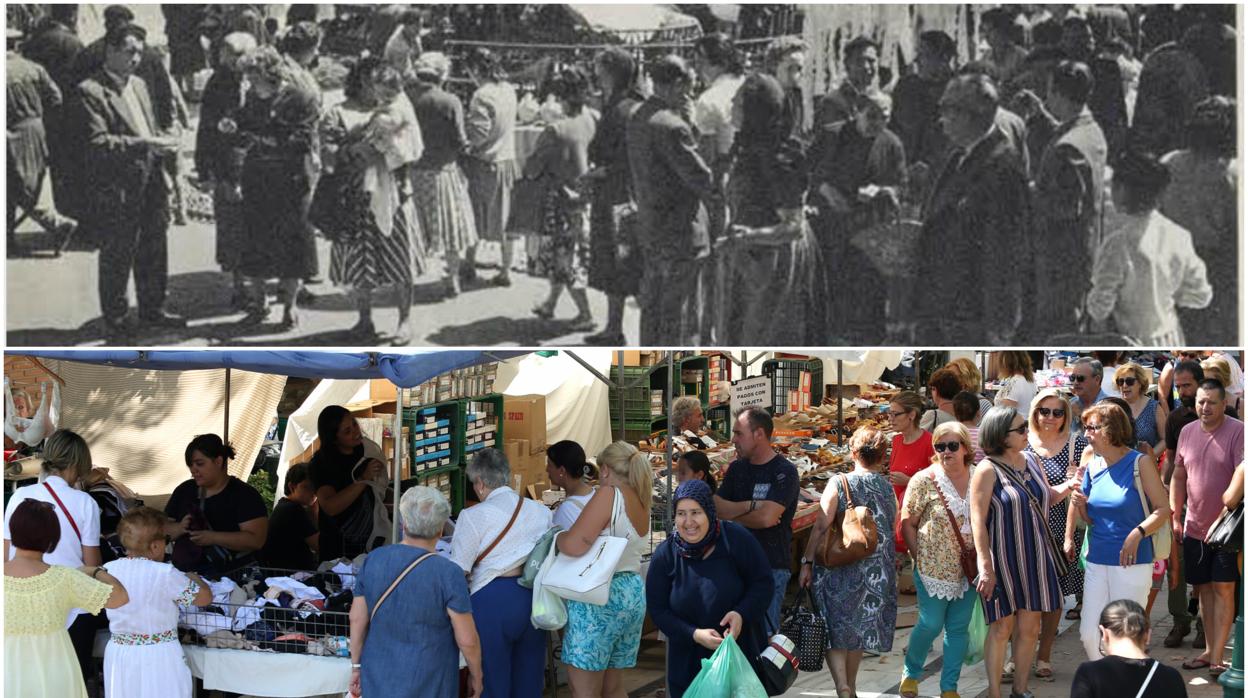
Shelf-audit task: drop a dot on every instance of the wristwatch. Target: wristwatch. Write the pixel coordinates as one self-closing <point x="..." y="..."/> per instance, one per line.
<point x="807" y="561"/>
<point x="356" y="666"/>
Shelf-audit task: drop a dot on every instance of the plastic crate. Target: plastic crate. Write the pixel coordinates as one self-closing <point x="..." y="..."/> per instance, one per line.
<point x="784" y="375"/>
<point x="455" y="484"/>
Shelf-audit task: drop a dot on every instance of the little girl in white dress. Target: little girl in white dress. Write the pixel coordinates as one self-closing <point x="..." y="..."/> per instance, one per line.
<point x="144" y="658"/>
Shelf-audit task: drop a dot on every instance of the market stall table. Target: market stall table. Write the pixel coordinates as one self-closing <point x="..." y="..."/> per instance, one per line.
<point x="268" y="674"/>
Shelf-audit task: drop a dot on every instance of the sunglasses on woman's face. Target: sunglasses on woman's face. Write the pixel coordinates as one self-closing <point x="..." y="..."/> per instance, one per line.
<point x="1128" y="381"/>
<point x="1020" y="430"/>
<point x="950" y="446"/>
<point x="1091" y="428"/>
<point x="1058" y="412"/>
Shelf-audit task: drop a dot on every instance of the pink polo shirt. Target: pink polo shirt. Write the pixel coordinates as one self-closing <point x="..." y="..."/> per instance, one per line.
<point x="1210" y="459"/>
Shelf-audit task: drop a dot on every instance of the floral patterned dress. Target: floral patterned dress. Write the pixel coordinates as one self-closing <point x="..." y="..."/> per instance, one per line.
<point x="859" y="601"/>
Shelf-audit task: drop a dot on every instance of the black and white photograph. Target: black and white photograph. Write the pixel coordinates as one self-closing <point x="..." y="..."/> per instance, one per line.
<point x="622" y="175"/>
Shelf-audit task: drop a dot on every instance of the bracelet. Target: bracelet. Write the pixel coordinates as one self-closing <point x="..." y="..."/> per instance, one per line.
<point x="1143" y="533"/>
<point x="753" y="504"/>
<point x="356" y="666"/>
<point x="96" y="571"/>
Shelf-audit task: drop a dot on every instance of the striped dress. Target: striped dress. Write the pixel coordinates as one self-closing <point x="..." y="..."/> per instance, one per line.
<point x="1026" y="577"/>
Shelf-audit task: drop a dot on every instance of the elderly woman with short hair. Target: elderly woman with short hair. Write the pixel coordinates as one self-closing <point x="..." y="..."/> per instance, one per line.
<point x="412" y="603"/>
<point x="491" y="544"/>
<point x="686" y="414"/>
<point x="1017" y="558"/>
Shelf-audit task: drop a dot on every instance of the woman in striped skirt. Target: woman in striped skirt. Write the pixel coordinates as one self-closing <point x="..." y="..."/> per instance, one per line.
<point x="1018" y="560"/>
<point x="370" y="140"/>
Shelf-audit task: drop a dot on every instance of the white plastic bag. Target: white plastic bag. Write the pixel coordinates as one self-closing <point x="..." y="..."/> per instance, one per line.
<point x="550" y="612"/>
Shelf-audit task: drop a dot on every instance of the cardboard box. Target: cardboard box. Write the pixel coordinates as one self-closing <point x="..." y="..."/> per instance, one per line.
<point x="526" y="420"/>
<point x="528" y="466"/>
<point x="631" y="358"/>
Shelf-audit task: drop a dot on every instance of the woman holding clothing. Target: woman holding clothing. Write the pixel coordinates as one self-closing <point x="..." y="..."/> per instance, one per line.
<point x="342" y="472"/>
<point x="858" y="600"/>
<point x="1052" y="441"/>
<point x="601" y="641"/>
<point x="1120" y="552"/>
<point x="491" y="543"/>
<point x="711" y="578"/>
<point x="935" y="501"/>
<point x="1018" y="561"/>
<point x="218" y="522"/>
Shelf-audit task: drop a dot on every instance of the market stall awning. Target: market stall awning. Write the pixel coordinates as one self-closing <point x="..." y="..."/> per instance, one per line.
<point x="636" y="23"/>
<point x="406" y="370"/>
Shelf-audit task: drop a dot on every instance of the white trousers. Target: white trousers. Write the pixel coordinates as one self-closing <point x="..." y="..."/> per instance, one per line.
<point x="1105" y="583"/>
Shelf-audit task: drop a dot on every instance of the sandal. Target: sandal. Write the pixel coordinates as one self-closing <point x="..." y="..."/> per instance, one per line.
<point x="1074" y="614"/>
<point x="1197" y="663"/>
<point x="909" y="688"/>
<point x="1043" y="671"/>
<point x="1217" y="670"/>
<point x="1007" y="671"/>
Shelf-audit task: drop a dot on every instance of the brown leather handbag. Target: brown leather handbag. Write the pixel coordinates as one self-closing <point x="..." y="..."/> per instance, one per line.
<point x="851" y="537"/>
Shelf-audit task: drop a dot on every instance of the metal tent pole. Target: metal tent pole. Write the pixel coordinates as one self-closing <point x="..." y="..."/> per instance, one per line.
<point x="619" y="390"/>
<point x="396" y="480"/>
<point x="840" y="403"/>
<point x="667" y="505"/>
<point x="225" y="436"/>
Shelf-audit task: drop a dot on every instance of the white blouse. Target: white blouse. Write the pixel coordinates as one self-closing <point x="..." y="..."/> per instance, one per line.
<point x="479" y="525"/>
<point x="156" y="590"/>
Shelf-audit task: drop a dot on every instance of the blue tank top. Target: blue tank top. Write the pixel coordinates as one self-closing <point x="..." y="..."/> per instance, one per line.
<point x="1115" y="509"/>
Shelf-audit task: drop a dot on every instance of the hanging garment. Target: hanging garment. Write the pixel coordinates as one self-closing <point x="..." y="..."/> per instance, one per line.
<point x="34" y="430"/>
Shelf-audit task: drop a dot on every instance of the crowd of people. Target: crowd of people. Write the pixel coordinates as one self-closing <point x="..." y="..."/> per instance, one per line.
<point x="702" y="187"/>
<point x="976" y="503"/>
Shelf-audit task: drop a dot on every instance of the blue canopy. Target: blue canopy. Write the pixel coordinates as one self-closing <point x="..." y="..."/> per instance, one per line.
<point x="405" y="370"/>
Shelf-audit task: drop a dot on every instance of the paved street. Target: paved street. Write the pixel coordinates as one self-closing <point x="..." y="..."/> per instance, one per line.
<point x="53" y="302"/>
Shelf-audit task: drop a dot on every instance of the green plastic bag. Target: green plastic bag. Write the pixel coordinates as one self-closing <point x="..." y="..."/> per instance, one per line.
<point x="727" y="674"/>
<point x="978" y="630"/>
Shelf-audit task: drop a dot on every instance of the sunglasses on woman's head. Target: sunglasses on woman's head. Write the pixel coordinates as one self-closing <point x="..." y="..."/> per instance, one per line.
<point x="950" y="446"/>
<point x="1055" y="412"/>
<point x="1128" y="381"/>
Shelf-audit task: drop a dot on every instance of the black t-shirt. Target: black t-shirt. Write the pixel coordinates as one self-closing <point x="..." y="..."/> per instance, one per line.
<point x="287" y="547"/>
<point x="776" y="481"/>
<point x="1118" y="676"/>
<point x="345" y="534"/>
<point x="224" y="511"/>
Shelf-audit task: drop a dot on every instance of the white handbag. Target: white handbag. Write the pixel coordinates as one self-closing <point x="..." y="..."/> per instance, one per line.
<point x="587" y="578"/>
<point x="550" y="612"/>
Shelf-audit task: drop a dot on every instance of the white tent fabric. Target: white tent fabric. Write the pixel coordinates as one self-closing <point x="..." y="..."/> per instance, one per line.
<point x="138" y="422"/>
<point x="576" y="401"/>
<point x="301" y="427"/>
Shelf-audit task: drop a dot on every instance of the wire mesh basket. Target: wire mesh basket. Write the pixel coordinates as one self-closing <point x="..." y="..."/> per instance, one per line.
<point x="275" y="610"/>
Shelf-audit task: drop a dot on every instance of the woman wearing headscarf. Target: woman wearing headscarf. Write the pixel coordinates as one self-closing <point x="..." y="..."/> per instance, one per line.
<point x="1147" y="268"/>
<point x="491" y="158"/>
<point x="859" y="174"/>
<point x="438" y="183"/>
<point x="1202" y="198"/>
<point x="559" y="159"/>
<point x="370" y="139"/>
<point x="711" y="578"/>
<point x="610" y="271"/>
<point x="778" y="259"/>
<point x="342" y="472"/>
<point x="278" y="123"/>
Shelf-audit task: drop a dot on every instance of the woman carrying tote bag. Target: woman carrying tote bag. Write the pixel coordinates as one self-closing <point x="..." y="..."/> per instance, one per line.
<point x="600" y="641"/>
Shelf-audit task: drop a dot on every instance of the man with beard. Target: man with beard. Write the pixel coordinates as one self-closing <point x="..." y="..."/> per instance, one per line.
<point x="1187" y="376"/>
